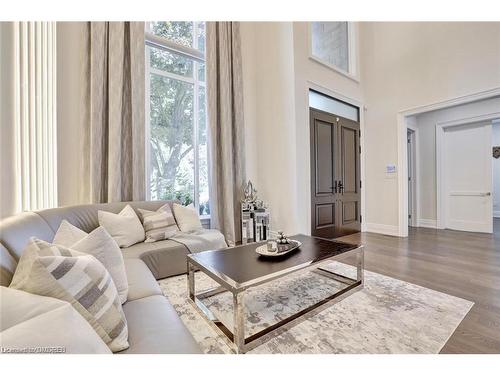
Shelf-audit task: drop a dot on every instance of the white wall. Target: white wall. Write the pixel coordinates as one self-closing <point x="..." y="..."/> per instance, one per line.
<point x="426" y="124"/>
<point x="402" y="65"/>
<point x="7" y="141"/>
<point x="496" y="172"/>
<point x="277" y="77"/>
<point x="70" y="71"/>
<point x="405" y="65"/>
<point x="267" y="56"/>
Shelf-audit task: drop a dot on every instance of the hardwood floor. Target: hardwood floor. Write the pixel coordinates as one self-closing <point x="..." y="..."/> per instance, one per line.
<point x="462" y="264"/>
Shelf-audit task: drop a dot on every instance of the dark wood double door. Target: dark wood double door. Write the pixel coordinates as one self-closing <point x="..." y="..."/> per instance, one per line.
<point x="335" y="175"/>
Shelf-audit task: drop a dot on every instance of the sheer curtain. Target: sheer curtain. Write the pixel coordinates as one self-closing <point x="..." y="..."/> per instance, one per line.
<point x="113" y="136"/>
<point x="226" y="132"/>
<point x="35" y="115"/>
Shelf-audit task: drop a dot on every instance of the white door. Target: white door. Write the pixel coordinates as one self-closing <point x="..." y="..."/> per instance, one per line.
<point x="467" y="178"/>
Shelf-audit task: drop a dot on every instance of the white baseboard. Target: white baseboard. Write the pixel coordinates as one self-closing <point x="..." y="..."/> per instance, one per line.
<point x="496" y="214"/>
<point x="427" y="223"/>
<point x="390" y="230"/>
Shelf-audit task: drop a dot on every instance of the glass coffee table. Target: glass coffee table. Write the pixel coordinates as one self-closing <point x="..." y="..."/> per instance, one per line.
<point x="237" y="269"/>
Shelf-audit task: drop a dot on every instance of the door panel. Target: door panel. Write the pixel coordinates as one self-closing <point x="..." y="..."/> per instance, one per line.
<point x="349" y="158"/>
<point x="324" y="160"/>
<point x="349" y="194"/>
<point x="323" y="168"/>
<point x="350" y="212"/>
<point x="325" y="215"/>
<point x="335" y="185"/>
<point x="468" y="178"/>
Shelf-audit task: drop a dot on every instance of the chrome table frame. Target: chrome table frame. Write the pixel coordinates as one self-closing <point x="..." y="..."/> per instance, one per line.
<point x="236" y="338"/>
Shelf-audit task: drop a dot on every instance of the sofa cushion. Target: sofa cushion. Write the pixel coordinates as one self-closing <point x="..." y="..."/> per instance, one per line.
<point x="163" y="258"/>
<point x="141" y="282"/>
<point x="155" y="327"/>
<point x="78" y="278"/>
<point x="32" y="321"/>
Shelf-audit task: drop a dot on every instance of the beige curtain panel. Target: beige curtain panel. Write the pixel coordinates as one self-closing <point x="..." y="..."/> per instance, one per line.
<point x="226" y="128"/>
<point x="113" y="139"/>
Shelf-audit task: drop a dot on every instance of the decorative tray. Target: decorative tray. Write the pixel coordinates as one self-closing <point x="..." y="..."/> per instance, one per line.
<point x="282" y="249"/>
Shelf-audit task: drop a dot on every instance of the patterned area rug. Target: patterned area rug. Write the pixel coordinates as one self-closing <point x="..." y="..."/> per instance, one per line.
<point x="387" y="316"/>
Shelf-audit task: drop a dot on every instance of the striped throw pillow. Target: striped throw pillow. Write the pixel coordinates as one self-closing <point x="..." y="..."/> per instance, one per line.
<point x="159" y="225"/>
<point x="80" y="279"/>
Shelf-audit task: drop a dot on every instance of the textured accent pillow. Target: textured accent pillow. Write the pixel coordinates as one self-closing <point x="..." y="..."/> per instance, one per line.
<point x="125" y="227"/>
<point x="80" y="279"/>
<point x="31" y="321"/>
<point x="99" y="244"/>
<point x="67" y="234"/>
<point x="187" y="218"/>
<point x="159" y="225"/>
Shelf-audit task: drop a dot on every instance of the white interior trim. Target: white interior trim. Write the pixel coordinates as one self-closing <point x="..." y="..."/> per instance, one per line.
<point x="334" y="94"/>
<point x="427" y="223"/>
<point x="389" y="230"/>
<point x="416" y="177"/>
<point x="402" y="157"/>
<point x="440" y="174"/>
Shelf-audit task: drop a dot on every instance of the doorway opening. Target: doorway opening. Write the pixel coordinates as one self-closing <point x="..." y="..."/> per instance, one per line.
<point x="473" y="108"/>
<point x="335" y="167"/>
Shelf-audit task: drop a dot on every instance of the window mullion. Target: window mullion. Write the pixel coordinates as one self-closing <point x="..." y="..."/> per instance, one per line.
<point x="196" y="106"/>
<point x="147" y="138"/>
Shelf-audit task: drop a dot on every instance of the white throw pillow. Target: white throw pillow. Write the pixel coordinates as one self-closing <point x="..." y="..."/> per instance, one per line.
<point x="30" y="321"/>
<point x="125" y="227"/>
<point x="159" y="225"/>
<point x="80" y="279"/>
<point x="99" y="244"/>
<point x="187" y="218"/>
<point x="67" y="234"/>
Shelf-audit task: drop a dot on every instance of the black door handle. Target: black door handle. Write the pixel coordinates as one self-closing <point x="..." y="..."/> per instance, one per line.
<point x="334" y="187"/>
<point x="341" y="187"/>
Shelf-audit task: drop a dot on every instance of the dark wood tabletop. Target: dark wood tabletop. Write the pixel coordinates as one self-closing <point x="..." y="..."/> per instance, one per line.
<point x="243" y="264"/>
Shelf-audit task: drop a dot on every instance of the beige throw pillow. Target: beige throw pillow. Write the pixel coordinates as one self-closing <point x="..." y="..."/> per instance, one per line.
<point x="80" y="279"/>
<point x="99" y="244"/>
<point x="187" y="218"/>
<point x="125" y="227"/>
<point x="159" y="225"/>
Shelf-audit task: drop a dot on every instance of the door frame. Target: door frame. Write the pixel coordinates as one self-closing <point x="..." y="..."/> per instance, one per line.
<point x="402" y="162"/>
<point x="415" y="219"/>
<point x="310" y="85"/>
<point x="440" y="170"/>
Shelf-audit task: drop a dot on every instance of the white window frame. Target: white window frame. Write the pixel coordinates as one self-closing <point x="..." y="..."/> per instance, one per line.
<point x="155" y="41"/>
<point x="352" y="53"/>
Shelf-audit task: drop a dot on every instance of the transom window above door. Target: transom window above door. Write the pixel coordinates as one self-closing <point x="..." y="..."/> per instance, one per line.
<point x="176" y="113"/>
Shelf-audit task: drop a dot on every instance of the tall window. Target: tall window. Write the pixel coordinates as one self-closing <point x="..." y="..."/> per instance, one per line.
<point x="333" y="44"/>
<point x="176" y="112"/>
